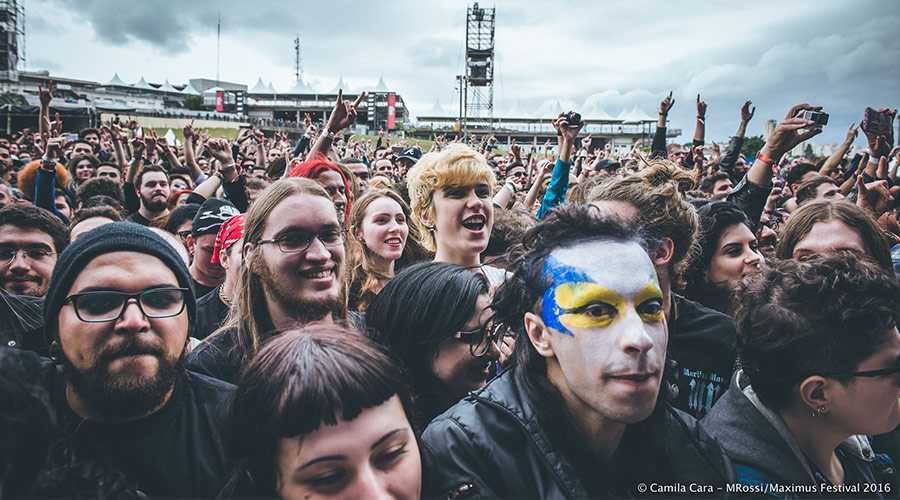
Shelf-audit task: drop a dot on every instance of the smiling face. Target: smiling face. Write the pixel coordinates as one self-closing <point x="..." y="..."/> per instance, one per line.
<point x="462" y="221"/>
<point x="737" y="258"/>
<point x="453" y="362"/>
<point x="84" y="170"/>
<point x="602" y="329"/>
<point x="310" y="279"/>
<point x="29" y="271"/>
<point x="384" y="229"/>
<point x="374" y="455"/>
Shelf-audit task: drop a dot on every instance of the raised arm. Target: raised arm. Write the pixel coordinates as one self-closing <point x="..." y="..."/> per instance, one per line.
<point x="658" y="147"/>
<point x="342" y="116"/>
<point x="726" y="164"/>
<point x="189" y="154"/>
<point x="835" y="159"/>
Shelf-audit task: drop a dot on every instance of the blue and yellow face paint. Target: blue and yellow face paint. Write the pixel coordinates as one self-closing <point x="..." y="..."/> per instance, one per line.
<point x="574" y="300"/>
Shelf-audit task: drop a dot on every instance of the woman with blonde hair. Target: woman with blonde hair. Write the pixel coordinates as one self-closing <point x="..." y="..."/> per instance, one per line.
<point x="450" y="195"/>
<point x="383" y="239"/>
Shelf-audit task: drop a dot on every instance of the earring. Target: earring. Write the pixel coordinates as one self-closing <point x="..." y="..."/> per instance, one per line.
<point x="818" y="411"/>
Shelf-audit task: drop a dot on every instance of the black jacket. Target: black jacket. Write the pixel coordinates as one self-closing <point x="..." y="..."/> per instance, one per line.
<point x="765" y="452"/>
<point x="491" y="445"/>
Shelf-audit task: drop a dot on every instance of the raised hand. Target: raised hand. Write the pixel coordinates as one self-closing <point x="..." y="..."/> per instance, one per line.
<point x="876" y="196"/>
<point x="515" y="149"/>
<point x="188" y="131"/>
<point x="46" y="95"/>
<point x="851" y="134"/>
<point x="701" y="108"/>
<point x="220" y="149"/>
<point x="55" y="147"/>
<point x="344" y="113"/>
<point x="746" y="111"/>
<point x="586" y="142"/>
<point x="150" y="139"/>
<point x="666" y="104"/>
<point x="787" y="133"/>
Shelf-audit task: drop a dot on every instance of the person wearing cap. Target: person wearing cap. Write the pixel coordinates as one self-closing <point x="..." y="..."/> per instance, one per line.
<point x="201" y="243"/>
<point x="118" y="313"/>
<point x="212" y="307"/>
<point x="407" y="158"/>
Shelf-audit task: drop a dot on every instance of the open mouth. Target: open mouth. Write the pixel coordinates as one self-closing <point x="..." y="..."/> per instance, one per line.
<point x="318" y="274"/>
<point x="474" y="222"/>
<point x="393" y="241"/>
<point x="635" y="378"/>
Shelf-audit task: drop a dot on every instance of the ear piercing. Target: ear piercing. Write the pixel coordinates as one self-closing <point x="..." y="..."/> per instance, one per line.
<point x="818" y="411"/>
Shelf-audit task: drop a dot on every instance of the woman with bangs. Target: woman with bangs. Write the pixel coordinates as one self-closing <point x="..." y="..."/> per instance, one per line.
<point x="341" y="430"/>
<point x="382" y="240"/>
<point x="451" y="196"/>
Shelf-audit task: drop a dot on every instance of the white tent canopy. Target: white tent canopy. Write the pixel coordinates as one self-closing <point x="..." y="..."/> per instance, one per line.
<point x="437" y="109"/>
<point x="516" y="111"/>
<point x="597" y="113"/>
<point x="189" y="89"/>
<point x="300" y="88"/>
<point x="167" y="87"/>
<point x="142" y="84"/>
<point x="340" y="86"/>
<point x="271" y="88"/>
<point x="637" y="115"/>
<point x="116" y="82"/>
<point x="381" y="86"/>
<point x="259" y="88"/>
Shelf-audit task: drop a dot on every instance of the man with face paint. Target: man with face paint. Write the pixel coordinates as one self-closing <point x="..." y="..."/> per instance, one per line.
<point x="583" y="409"/>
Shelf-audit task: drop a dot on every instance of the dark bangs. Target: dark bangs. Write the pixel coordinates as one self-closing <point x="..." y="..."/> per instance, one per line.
<point x="301" y="380"/>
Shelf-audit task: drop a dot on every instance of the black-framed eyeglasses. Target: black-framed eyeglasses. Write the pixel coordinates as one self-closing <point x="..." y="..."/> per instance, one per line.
<point x="773" y="224"/>
<point x="184" y="234"/>
<point x="108" y="305"/>
<point x="299" y="242"/>
<point x="480" y="339"/>
<point x="34" y="254"/>
<point x="868" y="373"/>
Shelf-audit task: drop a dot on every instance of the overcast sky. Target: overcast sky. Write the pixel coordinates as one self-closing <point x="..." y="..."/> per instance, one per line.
<point x="843" y="55"/>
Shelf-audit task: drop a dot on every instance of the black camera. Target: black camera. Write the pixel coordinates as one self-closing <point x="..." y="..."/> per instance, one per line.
<point x="574" y="118"/>
<point x="818" y="117"/>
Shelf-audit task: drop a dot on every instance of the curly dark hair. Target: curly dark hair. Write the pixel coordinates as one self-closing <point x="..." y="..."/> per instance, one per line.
<point x="824" y="315"/>
<point x="100" y="185"/>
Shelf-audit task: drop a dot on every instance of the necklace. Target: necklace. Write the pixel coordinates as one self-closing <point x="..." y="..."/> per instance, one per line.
<point x="225" y="299"/>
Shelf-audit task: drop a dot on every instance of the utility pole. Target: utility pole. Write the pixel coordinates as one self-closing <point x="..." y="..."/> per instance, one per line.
<point x="218" y="44"/>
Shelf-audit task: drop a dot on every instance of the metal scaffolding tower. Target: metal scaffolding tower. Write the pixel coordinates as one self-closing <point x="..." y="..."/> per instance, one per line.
<point x="477" y="109"/>
<point x="12" y="17"/>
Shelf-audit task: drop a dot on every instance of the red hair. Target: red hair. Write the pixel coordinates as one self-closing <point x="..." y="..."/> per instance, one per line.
<point x="313" y="168"/>
<point x="27" y="178"/>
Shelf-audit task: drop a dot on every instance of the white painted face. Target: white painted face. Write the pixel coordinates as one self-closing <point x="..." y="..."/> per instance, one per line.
<point x="606" y="327"/>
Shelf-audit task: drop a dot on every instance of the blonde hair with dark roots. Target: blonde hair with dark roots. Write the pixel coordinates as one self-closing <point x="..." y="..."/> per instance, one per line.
<point x="658" y="192"/>
<point x="249" y="316"/>
<point x="454" y="166"/>
<point x="359" y="255"/>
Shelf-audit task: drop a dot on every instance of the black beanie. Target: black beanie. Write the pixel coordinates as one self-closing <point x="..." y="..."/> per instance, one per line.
<point x="114" y="237"/>
<point x="211" y="215"/>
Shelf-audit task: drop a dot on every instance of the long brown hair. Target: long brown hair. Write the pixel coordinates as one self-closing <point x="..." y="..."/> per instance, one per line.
<point x="359" y="255"/>
<point x="802" y="221"/>
<point x="250" y="315"/>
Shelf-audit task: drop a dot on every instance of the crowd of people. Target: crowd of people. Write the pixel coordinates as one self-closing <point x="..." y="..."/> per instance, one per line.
<point x="262" y="318"/>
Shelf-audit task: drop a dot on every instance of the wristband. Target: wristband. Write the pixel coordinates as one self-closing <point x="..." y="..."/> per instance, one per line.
<point x="765" y="159"/>
<point x="47" y="159"/>
<point x="700" y="119"/>
<point x="874" y="160"/>
<point x="327" y="133"/>
<point x="512" y="189"/>
<point x="228" y="166"/>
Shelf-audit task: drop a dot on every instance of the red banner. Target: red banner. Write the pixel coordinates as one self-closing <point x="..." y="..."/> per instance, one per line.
<point x="219" y="101"/>
<point x="392" y="101"/>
